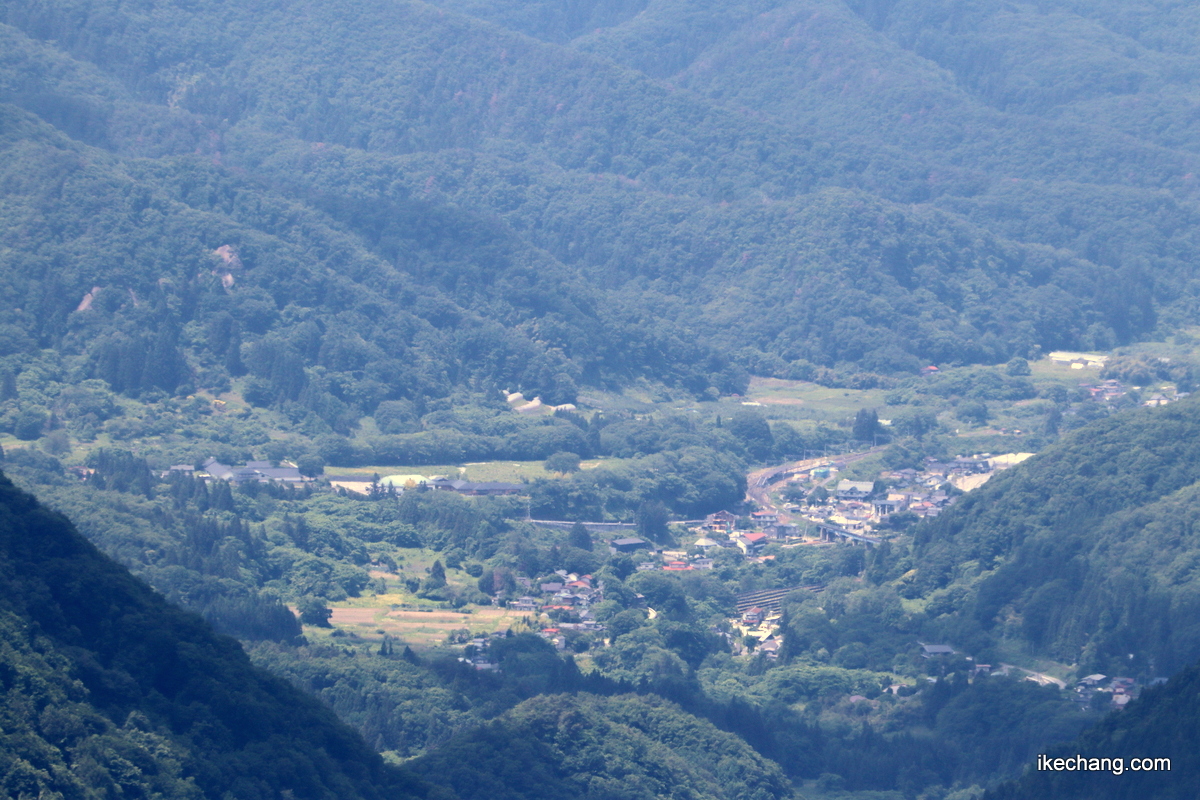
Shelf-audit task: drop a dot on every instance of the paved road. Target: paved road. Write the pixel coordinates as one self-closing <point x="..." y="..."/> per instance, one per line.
<point x="759" y="482"/>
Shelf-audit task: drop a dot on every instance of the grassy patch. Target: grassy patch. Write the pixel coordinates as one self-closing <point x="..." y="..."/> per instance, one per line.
<point x="420" y="627"/>
<point x="783" y="399"/>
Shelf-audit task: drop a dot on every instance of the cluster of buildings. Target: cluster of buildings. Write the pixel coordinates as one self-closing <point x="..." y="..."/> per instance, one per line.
<point x="855" y="508"/>
<point x="473" y="488"/>
<point x="1110" y="390"/>
<point x="253" y="471"/>
<point x="1121" y="690"/>
<point x="1105" y="391"/>
<point x="477" y="652"/>
<point x="719" y="530"/>
<point x="286" y="472"/>
<point x="570" y="594"/>
<point x="759" y="631"/>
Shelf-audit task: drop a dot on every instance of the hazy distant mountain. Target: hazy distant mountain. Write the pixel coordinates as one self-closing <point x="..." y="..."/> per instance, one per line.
<point x="671" y="190"/>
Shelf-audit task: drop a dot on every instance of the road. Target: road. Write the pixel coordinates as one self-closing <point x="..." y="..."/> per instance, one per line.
<point x="759" y="482"/>
<point x="1040" y="677"/>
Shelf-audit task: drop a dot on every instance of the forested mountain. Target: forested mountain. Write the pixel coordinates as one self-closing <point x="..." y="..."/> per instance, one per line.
<point x="1162" y="724"/>
<point x="588" y="747"/>
<point x="382" y="201"/>
<point x="1085" y="553"/>
<point x="110" y="691"/>
<point x="336" y="232"/>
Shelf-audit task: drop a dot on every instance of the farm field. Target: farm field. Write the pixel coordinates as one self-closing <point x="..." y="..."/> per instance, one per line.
<point x="420" y="629"/>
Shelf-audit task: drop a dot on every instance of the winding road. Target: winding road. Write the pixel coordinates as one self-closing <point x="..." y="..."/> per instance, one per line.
<point x="760" y="482"/>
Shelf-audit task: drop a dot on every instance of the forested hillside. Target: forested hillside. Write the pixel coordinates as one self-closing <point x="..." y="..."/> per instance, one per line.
<point x="1084" y="553"/>
<point x="112" y="691"/>
<point x="348" y="234"/>
<point x="455" y="205"/>
<point x="1160" y="725"/>
<point x="586" y="747"/>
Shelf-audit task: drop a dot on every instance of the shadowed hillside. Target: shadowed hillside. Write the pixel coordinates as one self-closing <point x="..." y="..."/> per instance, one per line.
<point x="109" y="690"/>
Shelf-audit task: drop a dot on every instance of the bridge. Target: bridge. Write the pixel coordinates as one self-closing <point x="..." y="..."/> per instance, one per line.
<point x="830" y="532"/>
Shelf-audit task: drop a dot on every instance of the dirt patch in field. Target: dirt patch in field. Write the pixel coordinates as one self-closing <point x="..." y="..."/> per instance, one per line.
<point x="353" y="616"/>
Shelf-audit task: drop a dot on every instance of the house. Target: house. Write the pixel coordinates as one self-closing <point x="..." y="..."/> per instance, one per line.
<point x="705" y="544"/>
<point x="754" y="616"/>
<point x="553" y="586"/>
<point x="854" y="490"/>
<point x="253" y="471"/>
<point x="722" y="521"/>
<point x="1078" y="360"/>
<point x="770" y="646"/>
<point x="627" y="545"/>
<point x="1123" y="685"/>
<point x="782" y="531"/>
<point x="752" y="543"/>
<point x="930" y="370"/>
<point x="934" y="650"/>
<point x="524" y="604"/>
<point x="764" y="517"/>
<point x="488" y="488"/>
<point x="216" y="469"/>
<point x="889" y="505"/>
<point x="703" y="563"/>
<point x="677" y="566"/>
<point x="446" y="484"/>
<point x="285" y="472"/>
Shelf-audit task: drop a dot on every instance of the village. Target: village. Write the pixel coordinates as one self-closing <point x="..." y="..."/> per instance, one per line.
<point x="807" y="504"/>
<point x="831" y="510"/>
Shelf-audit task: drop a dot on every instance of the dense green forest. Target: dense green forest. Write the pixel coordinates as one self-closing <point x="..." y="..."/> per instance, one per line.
<point x="1083" y="554"/>
<point x="504" y="236"/>
<point x="1159" y="725"/>
<point x="623" y="747"/>
<point x="341" y="234"/>
<point x="133" y="693"/>
<point x="234" y="556"/>
<point x="111" y="691"/>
